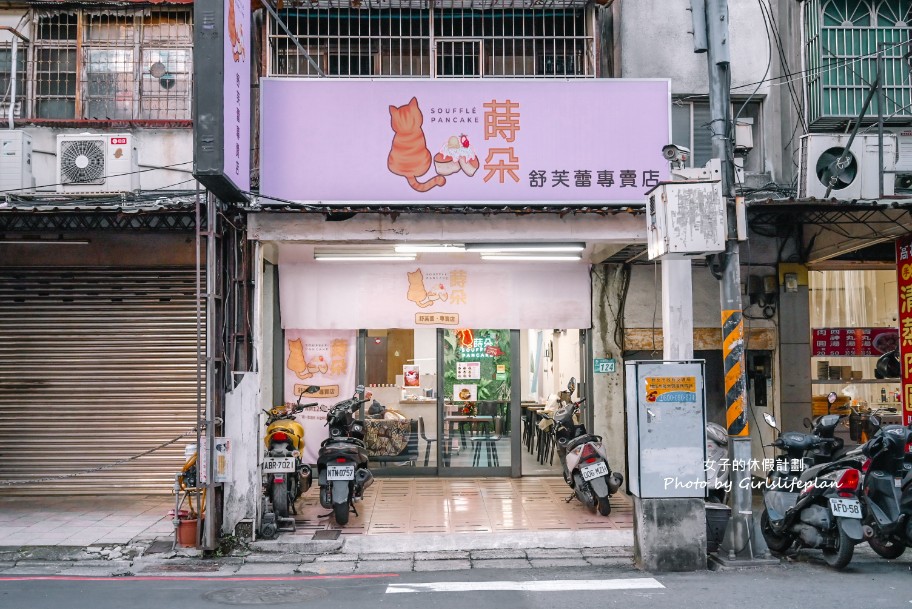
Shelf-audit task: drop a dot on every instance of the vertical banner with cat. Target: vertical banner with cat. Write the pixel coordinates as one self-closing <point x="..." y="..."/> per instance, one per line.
<point x="325" y="358"/>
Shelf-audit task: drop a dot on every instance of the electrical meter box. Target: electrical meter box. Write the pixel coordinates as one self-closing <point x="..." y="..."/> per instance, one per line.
<point x="666" y="429"/>
<point x="685" y="220"/>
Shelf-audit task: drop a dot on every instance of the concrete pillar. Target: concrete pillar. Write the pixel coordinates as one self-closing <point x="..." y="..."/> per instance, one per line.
<point x="677" y="310"/>
<point x="608" y="389"/>
<point x="670" y="534"/>
<point x="794" y="356"/>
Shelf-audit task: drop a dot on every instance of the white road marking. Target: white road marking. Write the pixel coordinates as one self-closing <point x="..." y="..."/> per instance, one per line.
<point x="562" y="585"/>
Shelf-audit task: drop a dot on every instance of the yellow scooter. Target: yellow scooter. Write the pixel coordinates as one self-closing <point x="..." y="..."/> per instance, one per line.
<point x="286" y="476"/>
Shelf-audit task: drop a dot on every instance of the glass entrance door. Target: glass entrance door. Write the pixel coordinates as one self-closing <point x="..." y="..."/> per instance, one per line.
<point x="476" y="409"/>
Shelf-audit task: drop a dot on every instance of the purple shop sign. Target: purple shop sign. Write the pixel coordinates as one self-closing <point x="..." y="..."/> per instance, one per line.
<point x="237" y="92"/>
<point x="460" y="141"/>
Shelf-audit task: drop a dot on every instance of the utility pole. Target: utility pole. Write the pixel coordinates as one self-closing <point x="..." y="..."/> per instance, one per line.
<point x="743" y="541"/>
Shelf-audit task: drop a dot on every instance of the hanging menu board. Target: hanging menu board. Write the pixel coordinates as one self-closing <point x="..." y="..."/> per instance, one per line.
<point x="853" y="342"/>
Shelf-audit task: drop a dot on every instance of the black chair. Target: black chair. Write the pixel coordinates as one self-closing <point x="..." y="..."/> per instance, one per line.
<point x="422" y="430"/>
<point x="489" y="442"/>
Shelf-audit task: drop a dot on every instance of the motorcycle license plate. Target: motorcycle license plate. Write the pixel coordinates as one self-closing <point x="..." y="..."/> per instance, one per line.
<point x="277" y="465"/>
<point x="595" y="470"/>
<point x="340" y="472"/>
<point x="846" y="508"/>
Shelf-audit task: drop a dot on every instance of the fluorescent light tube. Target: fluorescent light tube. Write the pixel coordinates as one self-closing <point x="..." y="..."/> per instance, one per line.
<point x="531" y="258"/>
<point x="365" y="258"/>
<point x="431" y="248"/>
<point x="525" y="247"/>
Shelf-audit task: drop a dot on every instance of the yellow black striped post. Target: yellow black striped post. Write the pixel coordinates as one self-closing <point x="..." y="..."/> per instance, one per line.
<point x="733" y="358"/>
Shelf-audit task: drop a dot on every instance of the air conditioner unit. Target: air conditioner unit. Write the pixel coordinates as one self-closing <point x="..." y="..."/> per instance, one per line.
<point x="89" y="163"/>
<point x="858" y="175"/>
<point x="15" y="163"/>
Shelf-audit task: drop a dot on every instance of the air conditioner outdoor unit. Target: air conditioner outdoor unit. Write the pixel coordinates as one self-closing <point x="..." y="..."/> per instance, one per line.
<point x="858" y="176"/>
<point x="90" y="162"/>
<point x="15" y="163"/>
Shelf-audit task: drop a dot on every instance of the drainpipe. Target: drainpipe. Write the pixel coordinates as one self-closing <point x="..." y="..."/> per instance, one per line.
<point x="14" y="65"/>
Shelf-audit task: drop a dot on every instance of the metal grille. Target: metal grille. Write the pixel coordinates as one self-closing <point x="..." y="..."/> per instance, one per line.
<point x="113" y="65"/>
<point x="96" y="365"/>
<point x="843" y="38"/>
<point x="409" y="39"/>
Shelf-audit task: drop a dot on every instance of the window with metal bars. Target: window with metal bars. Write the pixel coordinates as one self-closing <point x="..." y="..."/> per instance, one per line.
<point x="691" y="127"/>
<point x="6" y="90"/>
<point x="549" y="40"/>
<point x="113" y="65"/>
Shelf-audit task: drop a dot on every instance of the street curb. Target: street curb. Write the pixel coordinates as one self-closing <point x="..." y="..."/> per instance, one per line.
<point x="388" y="544"/>
<point x="280" y="546"/>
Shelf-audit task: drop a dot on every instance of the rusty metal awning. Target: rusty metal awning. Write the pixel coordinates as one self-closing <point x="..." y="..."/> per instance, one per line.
<point x="832" y="228"/>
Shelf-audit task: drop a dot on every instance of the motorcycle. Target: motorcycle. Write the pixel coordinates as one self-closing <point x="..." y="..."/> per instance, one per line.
<point x="887" y="491"/>
<point x="815" y="508"/>
<point x="583" y="457"/>
<point x="342" y="469"/>
<point x="716" y="452"/>
<point x="286" y="476"/>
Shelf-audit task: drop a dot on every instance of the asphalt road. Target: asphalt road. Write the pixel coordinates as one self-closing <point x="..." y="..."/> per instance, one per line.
<point x="802" y="585"/>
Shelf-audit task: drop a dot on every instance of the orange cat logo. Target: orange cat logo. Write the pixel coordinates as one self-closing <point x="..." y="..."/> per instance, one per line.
<point x="298" y="363"/>
<point x="420" y="295"/>
<point x="409" y="156"/>
<point x="235" y="33"/>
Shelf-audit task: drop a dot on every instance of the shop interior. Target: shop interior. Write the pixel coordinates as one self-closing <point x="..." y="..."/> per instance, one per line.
<point x="855" y="312"/>
<point x="471" y="427"/>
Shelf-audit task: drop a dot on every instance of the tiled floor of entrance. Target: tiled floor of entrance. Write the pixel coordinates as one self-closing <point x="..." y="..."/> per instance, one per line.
<point x="83" y="521"/>
<point x="391" y="505"/>
<point x="465" y="505"/>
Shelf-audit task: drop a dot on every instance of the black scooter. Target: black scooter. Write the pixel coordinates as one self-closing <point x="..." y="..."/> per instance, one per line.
<point x="814" y="508"/>
<point x="887" y="491"/>
<point x="342" y="461"/>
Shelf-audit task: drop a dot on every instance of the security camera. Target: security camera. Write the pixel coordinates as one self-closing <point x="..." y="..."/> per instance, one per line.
<point x="675" y="154"/>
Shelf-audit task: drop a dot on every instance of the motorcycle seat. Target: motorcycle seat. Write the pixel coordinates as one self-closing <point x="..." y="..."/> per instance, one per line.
<point x="582" y="440"/>
<point x="799" y="441"/>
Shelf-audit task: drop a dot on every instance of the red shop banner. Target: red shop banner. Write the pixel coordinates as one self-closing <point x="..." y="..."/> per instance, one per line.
<point x="853" y="342"/>
<point x="904" y="289"/>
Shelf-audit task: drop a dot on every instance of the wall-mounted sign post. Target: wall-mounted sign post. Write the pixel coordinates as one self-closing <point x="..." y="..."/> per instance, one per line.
<point x="221" y="97"/>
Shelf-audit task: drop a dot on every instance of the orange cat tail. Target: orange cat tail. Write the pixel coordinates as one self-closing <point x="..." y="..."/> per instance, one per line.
<point x="426" y="186"/>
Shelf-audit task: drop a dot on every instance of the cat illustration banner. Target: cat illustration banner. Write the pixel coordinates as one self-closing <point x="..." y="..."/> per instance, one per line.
<point x="414" y="295"/>
<point x="407" y="141"/>
<point x="325" y="359"/>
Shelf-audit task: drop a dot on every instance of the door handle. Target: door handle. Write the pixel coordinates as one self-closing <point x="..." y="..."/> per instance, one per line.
<point x="650" y="415"/>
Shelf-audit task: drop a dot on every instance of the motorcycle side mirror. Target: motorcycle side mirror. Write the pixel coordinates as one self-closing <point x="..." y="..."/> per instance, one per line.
<point x="890" y="409"/>
<point x="874" y="421"/>
<point x="571" y="386"/>
<point x="312" y="389"/>
<point x="770" y="420"/>
<point x="359" y="389"/>
<point x="807" y="423"/>
<point x="832" y="397"/>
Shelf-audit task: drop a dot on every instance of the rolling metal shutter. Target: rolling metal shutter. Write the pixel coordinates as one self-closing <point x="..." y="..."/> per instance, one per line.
<point x="96" y="366"/>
